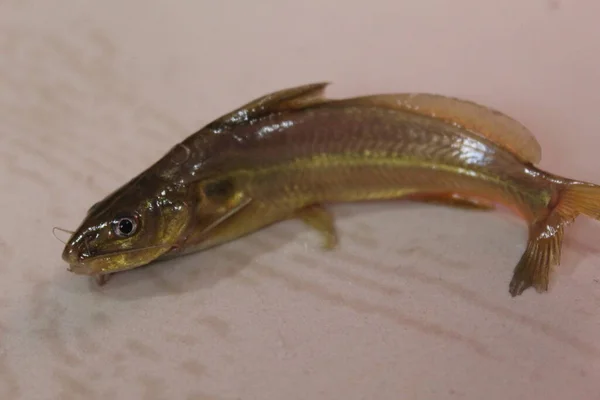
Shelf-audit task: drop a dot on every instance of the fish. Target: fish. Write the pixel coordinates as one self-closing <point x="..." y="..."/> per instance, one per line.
<point x="292" y="153"/>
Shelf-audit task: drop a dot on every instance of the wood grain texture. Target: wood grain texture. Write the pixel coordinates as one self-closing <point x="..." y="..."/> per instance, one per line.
<point x="412" y="305"/>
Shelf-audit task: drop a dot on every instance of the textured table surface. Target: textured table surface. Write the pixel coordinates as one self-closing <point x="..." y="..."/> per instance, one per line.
<point x="413" y="305"/>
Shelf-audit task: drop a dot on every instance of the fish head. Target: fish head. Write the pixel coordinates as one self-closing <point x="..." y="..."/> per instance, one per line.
<point x="129" y="228"/>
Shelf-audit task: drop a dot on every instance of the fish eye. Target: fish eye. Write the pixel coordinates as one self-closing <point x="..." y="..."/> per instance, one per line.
<point x="125" y="226"/>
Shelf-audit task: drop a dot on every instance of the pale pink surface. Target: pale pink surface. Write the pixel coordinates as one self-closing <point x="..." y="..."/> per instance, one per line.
<point x="413" y="305"/>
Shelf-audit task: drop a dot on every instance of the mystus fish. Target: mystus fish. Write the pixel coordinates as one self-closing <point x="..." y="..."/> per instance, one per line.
<point x="288" y="154"/>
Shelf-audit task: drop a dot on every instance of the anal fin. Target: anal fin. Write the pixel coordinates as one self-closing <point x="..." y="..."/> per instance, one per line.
<point x="454" y="200"/>
<point x="319" y="218"/>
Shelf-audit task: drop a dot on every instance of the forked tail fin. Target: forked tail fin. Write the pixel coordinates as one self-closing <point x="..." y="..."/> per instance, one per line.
<point x="545" y="236"/>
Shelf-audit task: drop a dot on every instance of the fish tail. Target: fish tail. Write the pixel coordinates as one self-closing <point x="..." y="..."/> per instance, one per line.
<point x="579" y="198"/>
<point x="546" y="234"/>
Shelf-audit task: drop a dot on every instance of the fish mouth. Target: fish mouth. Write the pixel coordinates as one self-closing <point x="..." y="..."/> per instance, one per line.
<point x="82" y="261"/>
<point x="74" y="258"/>
<point x="81" y="269"/>
<point x="79" y="261"/>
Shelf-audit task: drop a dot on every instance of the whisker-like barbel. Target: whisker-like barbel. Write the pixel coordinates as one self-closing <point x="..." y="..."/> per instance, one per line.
<point x="71" y="233"/>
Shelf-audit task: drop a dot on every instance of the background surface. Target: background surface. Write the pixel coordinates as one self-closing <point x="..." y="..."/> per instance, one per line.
<point x="413" y="305"/>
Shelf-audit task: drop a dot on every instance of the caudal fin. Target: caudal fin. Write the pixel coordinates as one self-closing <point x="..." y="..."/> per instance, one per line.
<point x="545" y="236"/>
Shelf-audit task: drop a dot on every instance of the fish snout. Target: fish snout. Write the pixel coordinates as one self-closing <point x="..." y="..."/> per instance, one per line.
<point x="77" y="251"/>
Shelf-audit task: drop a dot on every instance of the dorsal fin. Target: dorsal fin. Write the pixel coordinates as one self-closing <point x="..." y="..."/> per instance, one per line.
<point x="476" y="118"/>
<point x="283" y="100"/>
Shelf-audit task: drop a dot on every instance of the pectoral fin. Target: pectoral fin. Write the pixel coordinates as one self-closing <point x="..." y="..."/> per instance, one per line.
<point x="101" y="279"/>
<point x="455" y="200"/>
<point x="319" y="218"/>
<point x="215" y="220"/>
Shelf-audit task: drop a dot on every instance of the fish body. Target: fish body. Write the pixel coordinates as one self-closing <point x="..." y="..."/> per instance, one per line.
<point x="290" y="153"/>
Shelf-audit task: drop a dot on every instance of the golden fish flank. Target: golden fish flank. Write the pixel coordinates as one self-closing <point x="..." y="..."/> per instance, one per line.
<point x="286" y="154"/>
